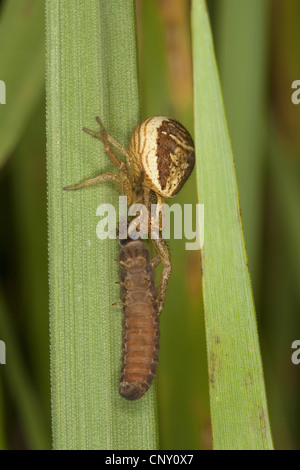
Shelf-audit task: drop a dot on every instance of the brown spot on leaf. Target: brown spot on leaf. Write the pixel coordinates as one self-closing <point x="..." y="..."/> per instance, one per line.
<point x="239" y="214"/>
<point x="249" y="379"/>
<point x="212" y="368"/>
<point x="263" y="424"/>
<point x="202" y="262"/>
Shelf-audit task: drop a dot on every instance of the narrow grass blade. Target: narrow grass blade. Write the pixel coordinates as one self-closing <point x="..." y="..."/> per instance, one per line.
<point x="91" y="70"/>
<point x="22" y="55"/>
<point x="237" y="392"/>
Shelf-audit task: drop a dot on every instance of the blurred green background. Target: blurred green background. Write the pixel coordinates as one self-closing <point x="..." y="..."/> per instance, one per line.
<point x="256" y="45"/>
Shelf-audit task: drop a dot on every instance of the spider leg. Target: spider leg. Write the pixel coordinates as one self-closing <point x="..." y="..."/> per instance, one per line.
<point x="155" y="261"/>
<point x="163" y="253"/>
<point x="114" y="142"/>
<point x="98" y="179"/>
<point x="125" y="184"/>
<point x="106" y="138"/>
<point x="122" y="181"/>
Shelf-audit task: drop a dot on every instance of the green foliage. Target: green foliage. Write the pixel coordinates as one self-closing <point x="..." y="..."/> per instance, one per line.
<point x="237" y="394"/>
<point x="21" y="30"/>
<point x="91" y="70"/>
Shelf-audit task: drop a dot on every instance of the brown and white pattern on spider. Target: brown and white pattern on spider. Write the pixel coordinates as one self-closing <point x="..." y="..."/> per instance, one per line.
<point x="164" y="150"/>
<point x="140" y="341"/>
<point x="160" y="159"/>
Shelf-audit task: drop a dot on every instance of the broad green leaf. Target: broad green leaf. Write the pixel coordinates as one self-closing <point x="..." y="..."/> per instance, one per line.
<point x="91" y="70"/>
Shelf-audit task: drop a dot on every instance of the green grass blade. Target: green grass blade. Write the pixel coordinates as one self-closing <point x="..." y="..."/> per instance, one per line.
<point x="22" y="67"/>
<point x="91" y="70"/>
<point x="237" y="392"/>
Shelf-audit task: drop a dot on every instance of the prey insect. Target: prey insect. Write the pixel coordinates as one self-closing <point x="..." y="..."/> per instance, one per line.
<point x="140" y="342"/>
<point x="160" y="159"/>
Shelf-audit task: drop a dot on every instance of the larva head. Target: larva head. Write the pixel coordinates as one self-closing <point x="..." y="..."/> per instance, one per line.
<point x="163" y="150"/>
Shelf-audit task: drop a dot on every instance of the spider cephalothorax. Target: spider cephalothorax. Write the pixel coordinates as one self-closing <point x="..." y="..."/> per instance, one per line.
<point x="160" y="159"/>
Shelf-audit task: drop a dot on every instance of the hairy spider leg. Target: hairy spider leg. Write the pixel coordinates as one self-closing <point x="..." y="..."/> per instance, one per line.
<point x="163" y="256"/>
<point x="122" y="181"/>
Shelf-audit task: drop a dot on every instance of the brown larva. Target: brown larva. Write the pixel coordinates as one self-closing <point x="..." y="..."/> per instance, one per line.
<point x="140" y="343"/>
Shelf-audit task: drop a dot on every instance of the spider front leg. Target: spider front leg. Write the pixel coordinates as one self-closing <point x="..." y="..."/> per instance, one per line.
<point x="163" y="256"/>
<point x="122" y="181"/>
<point x="98" y="179"/>
<point x="106" y="138"/>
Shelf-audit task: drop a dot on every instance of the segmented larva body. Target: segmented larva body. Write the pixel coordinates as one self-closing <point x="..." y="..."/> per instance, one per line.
<point x="140" y="320"/>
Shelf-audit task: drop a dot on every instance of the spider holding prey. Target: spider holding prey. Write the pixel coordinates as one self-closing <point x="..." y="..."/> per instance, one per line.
<point x="160" y="159"/>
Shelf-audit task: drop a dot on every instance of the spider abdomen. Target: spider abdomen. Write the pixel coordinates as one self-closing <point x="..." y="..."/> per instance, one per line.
<point x="140" y="320"/>
<point x="163" y="150"/>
